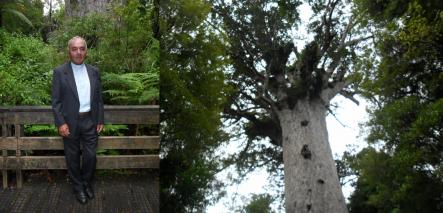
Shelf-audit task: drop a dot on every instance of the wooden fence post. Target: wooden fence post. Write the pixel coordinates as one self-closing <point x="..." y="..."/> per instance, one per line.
<point x="4" y="152"/>
<point x="18" y="170"/>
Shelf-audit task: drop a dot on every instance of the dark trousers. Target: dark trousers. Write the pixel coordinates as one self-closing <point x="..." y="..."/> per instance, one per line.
<point x="81" y="173"/>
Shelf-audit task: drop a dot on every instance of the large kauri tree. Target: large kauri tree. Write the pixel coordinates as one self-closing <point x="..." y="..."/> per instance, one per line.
<point x="283" y="94"/>
<point x="80" y="8"/>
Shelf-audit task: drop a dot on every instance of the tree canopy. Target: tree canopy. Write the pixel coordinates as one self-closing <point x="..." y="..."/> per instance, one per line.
<point x="404" y="81"/>
<point x="192" y="95"/>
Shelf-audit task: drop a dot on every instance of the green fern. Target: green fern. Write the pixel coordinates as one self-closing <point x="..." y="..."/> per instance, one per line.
<point x="131" y="88"/>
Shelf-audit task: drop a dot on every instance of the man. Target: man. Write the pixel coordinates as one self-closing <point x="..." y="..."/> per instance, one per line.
<point x="78" y="110"/>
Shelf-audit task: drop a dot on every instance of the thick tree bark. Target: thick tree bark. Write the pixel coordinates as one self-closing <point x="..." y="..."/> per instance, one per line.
<point x="311" y="180"/>
<point x="79" y="8"/>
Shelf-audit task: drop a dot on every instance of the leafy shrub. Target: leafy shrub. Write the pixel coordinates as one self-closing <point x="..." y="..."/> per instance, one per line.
<point x="25" y="70"/>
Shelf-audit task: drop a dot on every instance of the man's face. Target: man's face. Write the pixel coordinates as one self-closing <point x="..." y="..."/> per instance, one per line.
<point x="77" y="51"/>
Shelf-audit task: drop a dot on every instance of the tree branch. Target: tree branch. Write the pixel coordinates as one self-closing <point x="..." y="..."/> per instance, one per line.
<point x="349" y="95"/>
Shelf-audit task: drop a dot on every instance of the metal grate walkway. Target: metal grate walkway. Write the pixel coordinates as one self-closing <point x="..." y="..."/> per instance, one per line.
<point x="117" y="194"/>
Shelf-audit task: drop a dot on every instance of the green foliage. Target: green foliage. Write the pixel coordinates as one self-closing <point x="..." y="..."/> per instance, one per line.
<point x="90" y="27"/>
<point x="24" y="16"/>
<point x="132" y="88"/>
<point x="406" y="120"/>
<point x="260" y="203"/>
<point x="384" y="11"/>
<point x="192" y="97"/>
<point x="114" y="130"/>
<point x="41" y="130"/>
<point x="25" y="70"/>
<point x="391" y="184"/>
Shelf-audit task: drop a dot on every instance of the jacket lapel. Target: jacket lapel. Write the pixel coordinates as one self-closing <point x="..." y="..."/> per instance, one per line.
<point x="69" y="74"/>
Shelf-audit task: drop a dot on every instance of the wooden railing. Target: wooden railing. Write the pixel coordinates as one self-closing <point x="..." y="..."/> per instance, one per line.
<point x="15" y="117"/>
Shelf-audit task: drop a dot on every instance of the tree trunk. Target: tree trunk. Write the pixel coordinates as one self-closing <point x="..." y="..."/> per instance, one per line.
<point x="79" y="8"/>
<point x="311" y="180"/>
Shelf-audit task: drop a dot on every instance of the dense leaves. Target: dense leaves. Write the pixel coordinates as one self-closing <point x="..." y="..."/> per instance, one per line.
<point x="24" y="16"/>
<point x="192" y="97"/>
<point x="25" y="70"/>
<point x="260" y="203"/>
<point x="405" y="86"/>
<point x="132" y="88"/>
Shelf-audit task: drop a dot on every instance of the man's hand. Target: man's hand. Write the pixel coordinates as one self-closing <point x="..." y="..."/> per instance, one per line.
<point x="99" y="128"/>
<point x="63" y="130"/>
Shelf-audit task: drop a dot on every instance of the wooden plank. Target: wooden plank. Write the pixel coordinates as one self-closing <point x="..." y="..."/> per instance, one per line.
<point x="132" y="117"/>
<point x="105" y="142"/>
<point x="41" y="143"/>
<point x="43" y="162"/>
<point x="103" y="162"/>
<point x="29" y="117"/>
<point x="129" y="142"/>
<point x="33" y="114"/>
<point x="128" y="161"/>
<point x="8" y="143"/>
<point x="139" y="114"/>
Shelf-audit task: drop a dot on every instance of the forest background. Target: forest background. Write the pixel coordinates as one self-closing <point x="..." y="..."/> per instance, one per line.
<point x="398" y="70"/>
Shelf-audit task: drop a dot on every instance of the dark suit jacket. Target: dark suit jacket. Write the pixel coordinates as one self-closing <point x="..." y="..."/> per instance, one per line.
<point x="65" y="101"/>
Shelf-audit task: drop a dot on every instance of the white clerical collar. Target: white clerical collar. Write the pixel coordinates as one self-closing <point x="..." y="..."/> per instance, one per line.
<point x="77" y="67"/>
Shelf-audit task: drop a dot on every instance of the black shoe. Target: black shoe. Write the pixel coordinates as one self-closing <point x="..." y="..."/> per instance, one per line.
<point x="81" y="197"/>
<point x="89" y="192"/>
